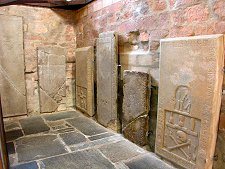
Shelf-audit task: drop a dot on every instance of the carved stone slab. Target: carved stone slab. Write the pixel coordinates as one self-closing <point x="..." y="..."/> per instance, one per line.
<point x="191" y="74"/>
<point x="52" y="78"/>
<point x="12" y="80"/>
<point x="85" y="80"/>
<point x="107" y="80"/>
<point x="135" y="106"/>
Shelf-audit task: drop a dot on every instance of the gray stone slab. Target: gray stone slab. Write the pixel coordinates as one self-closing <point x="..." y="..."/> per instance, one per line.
<point x="190" y="89"/>
<point x="10" y="148"/>
<point x="33" y="125"/>
<point x="62" y="115"/>
<point x="100" y="136"/>
<point x="88" y="159"/>
<point x="122" y="150"/>
<point x="136" y="106"/>
<point x="52" y="78"/>
<point x="148" y="161"/>
<point x="12" y="80"/>
<point x="72" y="138"/>
<point x="13" y="134"/>
<point x="37" y="147"/>
<point x="87" y="126"/>
<point x="31" y="165"/>
<point x="85" y="80"/>
<point x="11" y="126"/>
<point x="107" y="80"/>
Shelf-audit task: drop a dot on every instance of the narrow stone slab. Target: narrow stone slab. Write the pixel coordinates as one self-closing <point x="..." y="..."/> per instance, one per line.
<point x="119" y="151"/>
<point x="37" y="147"/>
<point x="148" y="161"/>
<point x="100" y="136"/>
<point x="33" y="125"/>
<point x="85" y="80"/>
<point x="13" y="134"/>
<point x="189" y="99"/>
<point x="72" y="138"/>
<point x="87" y="126"/>
<point x="52" y="78"/>
<point x="31" y="165"/>
<point x="107" y="80"/>
<point x="135" y="106"/>
<point x="82" y="159"/>
<point x="62" y="115"/>
<point x="12" y="80"/>
<point x="10" y="148"/>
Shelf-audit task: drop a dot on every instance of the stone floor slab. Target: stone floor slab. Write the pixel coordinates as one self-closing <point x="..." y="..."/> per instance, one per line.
<point x="62" y="115"/>
<point x="148" y="161"/>
<point x="88" y="159"/>
<point x="122" y="150"/>
<point x="87" y="126"/>
<point x="31" y="165"/>
<point x="100" y="136"/>
<point x="33" y="125"/>
<point x="10" y="148"/>
<point x="13" y="134"/>
<point x="37" y="147"/>
<point x="72" y="138"/>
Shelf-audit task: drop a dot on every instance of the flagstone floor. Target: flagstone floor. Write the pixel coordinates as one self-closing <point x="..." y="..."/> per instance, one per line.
<point x="69" y="140"/>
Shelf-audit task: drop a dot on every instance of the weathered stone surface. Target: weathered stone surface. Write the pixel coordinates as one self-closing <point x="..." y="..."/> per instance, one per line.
<point x="135" y="106"/>
<point x="12" y="80"/>
<point x="100" y="136"/>
<point x="52" y="78"/>
<point x="122" y="150"/>
<point x="85" y="80"/>
<point x="107" y="80"/>
<point x="82" y="159"/>
<point x="29" y="125"/>
<point x="189" y="99"/>
<point x="62" y="115"/>
<point x="72" y="138"/>
<point x="37" y="147"/>
<point x="70" y="93"/>
<point x="87" y="126"/>
<point x="10" y="148"/>
<point x="147" y="161"/>
<point x="30" y="165"/>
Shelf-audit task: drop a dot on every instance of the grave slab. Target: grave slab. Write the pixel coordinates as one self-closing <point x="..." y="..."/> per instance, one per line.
<point x="107" y="80"/>
<point x="52" y="78"/>
<point x="190" y="88"/>
<point x="85" y="80"/>
<point x="136" y="106"/>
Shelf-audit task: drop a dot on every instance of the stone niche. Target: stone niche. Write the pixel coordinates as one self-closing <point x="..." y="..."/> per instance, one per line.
<point x="107" y="80"/>
<point x="136" y="106"/>
<point x="52" y="79"/>
<point x="85" y="80"/>
<point x="190" y="88"/>
<point x="12" y="80"/>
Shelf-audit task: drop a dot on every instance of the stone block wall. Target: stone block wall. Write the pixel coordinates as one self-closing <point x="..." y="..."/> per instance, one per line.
<point x="45" y="27"/>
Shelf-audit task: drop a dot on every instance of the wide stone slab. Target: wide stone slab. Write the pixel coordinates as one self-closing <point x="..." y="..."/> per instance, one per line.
<point x="72" y="138"/>
<point x="33" y="125"/>
<point x="52" y="78"/>
<point x="85" y="80"/>
<point x="87" y="126"/>
<point x="12" y="80"/>
<point x="83" y="159"/>
<point x="147" y="161"/>
<point x="135" y="106"/>
<point x="107" y="80"/>
<point x="62" y="115"/>
<point x="38" y="147"/>
<point x="191" y="74"/>
<point x="122" y="150"/>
